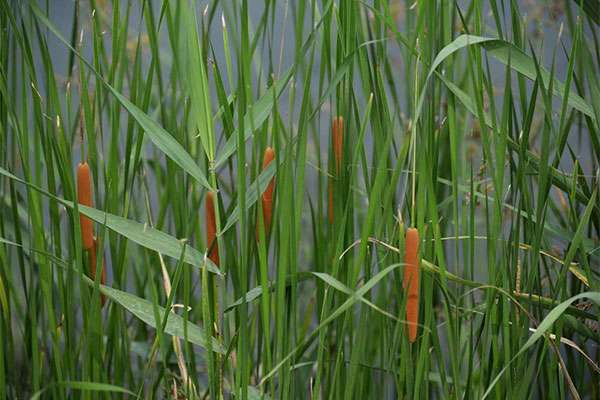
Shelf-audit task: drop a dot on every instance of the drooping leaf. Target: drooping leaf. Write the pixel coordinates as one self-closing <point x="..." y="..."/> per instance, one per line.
<point x="143" y="309"/>
<point x="84" y="386"/>
<point x="137" y="232"/>
<point x="510" y="55"/>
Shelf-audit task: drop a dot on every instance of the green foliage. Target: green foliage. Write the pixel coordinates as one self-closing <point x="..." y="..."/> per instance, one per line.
<point x="474" y="122"/>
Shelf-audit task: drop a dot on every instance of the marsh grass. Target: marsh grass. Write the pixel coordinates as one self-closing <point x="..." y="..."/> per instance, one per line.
<point x="474" y="122"/>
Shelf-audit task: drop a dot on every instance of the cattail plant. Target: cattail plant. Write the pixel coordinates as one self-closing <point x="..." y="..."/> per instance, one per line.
<point x="92" y="254"/>
<point x="411" y="281"/>
<point x="337" y="139"/>
<point x="267" y="196"/>
<point x="211" y="229"/>
<point x="84" y="196"/>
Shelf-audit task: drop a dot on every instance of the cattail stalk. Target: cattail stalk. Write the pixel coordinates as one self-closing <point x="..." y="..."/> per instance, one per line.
<point x="330" y="190"/>
<point x="92" y="254"/>
<point x="211" y="229"/>
<point x="84" y="196"/>
<point x="337" y="139"/>
<point x="411" y="280"/>
<point x="267" y="196"/>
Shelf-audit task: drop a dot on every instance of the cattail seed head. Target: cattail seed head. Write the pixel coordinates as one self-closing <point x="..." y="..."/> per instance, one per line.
<point x="267" y="196"/>
<point x="411" y="281"/>
<point x="337" y="140"/>
<point x="211" y="229"/>
<point x="84" y="196"/>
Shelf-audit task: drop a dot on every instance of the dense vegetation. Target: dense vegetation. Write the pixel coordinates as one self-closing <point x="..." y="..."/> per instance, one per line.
<point x="356" y="199"/>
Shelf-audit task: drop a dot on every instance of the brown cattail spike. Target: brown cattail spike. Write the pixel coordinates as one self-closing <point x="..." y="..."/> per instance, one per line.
<point x="267" y="196"/>
<point x="411" y="280"/>
<point x="211" y="229"/>
<point x="337" y="139"/>
<point x="84" y="196"/>
<point x="92" y="254"/>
